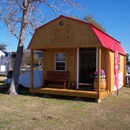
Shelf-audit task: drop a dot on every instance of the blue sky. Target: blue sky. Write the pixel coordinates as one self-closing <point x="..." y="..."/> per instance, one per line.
<point x="113" y="15"/>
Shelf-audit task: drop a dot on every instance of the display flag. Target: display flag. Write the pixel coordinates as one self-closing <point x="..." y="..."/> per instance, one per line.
<point x="116" y="62"/>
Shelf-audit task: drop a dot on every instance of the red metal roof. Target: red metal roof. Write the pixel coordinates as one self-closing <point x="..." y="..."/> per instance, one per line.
<point x="105" y="40"/>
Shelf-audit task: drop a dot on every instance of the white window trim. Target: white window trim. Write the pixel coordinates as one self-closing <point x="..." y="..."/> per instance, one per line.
<point x="60" y="61"/>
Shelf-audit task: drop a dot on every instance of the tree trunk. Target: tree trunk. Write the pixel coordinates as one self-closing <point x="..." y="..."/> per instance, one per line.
<point x="15" y="76"/>
<point x="13" y="89"/>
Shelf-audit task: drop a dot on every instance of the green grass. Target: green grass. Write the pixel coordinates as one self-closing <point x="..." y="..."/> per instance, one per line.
<point x="27" y="112"/>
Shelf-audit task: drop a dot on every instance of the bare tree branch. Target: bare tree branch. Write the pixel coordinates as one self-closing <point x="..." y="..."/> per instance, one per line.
<point x="20" y="5"/>
<point x="20" y="15"/>
<point x="36" y="17"/>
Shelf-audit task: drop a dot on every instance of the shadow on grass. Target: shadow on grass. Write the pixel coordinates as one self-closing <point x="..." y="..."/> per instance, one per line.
<point x="3" y="88"/>
<point x="127" y="86"/>
<point x="25" y="91"/>
<point x="21" y="90"/>
<point x="69" y="98"/>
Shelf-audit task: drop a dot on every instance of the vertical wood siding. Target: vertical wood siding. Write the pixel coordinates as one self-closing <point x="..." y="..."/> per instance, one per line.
<point x="104" y="64"/>
<point x="111" y="71"/>
<point x="123" y="66"/>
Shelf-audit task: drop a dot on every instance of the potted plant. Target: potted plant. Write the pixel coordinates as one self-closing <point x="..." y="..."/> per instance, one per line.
<point x="102" y="74"/>
<point x="102" y="80"/>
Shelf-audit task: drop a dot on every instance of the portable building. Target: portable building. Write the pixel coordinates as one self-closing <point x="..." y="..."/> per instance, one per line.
<point x="78" y="47"/>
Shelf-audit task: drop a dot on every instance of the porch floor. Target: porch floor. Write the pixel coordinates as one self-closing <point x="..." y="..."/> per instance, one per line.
<point x="70" y="92"/>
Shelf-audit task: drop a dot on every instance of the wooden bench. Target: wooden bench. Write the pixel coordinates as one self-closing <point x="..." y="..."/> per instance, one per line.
<point x="56" y="77"/>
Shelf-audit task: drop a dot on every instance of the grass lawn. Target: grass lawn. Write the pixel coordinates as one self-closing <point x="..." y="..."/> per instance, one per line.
<point x="27" y="112"/>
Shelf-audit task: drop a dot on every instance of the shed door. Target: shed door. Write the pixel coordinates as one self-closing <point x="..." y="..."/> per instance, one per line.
<point x="87" y="65"/>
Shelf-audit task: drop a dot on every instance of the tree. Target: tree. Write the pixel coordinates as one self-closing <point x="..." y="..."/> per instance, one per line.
<point x="90" y="19"/>
<point x="25" y="59"/>
<point x="21" y="15"/>
<point x="3" y="46"/>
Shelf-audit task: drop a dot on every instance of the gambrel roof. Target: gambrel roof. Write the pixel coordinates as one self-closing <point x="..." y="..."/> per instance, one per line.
<point x="68" y="32"/>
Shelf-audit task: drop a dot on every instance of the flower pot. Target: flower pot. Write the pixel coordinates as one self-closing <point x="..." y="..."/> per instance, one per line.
<point x="102" y="84"/>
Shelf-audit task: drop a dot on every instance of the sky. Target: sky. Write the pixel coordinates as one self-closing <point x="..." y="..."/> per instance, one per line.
<point x="113" y="15"/>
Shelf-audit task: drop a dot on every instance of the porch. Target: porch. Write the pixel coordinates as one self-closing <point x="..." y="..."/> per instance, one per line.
<point x="70" y="92"/>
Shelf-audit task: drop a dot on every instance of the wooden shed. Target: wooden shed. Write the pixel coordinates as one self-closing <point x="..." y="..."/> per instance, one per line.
<point x="72" y="51"/>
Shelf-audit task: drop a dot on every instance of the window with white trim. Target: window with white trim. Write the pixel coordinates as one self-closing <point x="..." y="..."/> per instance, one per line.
<point x="60" y="61"/>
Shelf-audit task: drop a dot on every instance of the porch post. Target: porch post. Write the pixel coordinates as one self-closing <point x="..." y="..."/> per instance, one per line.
<point x="96" y="58"/>
<point x="77" y="83"/>
<point x="99" y="69"/>
<point x="31" y="68"/>
<point x="42" y="68"/>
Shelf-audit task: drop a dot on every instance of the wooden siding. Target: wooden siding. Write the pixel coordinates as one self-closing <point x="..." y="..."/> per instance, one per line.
<point x="123" y="66"/>
<point x="71" y="35"/>
<point x="110" y="71"/>
<point x="121" y="63"/>
<point x="104" y="59"/>
<point x="104" y="64"/>
<point x="71" y="62"/>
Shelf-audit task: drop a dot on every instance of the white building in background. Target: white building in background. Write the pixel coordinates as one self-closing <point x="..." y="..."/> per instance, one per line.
<point x="5" y="62"/>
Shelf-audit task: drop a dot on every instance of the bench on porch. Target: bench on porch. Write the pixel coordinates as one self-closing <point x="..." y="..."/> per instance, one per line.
<point x="56" y="77"/>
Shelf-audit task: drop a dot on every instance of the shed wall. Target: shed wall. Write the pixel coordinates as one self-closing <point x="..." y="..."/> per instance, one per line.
<point x="110" y="71"/>
<point x="122" y="66"/>
<point x="71" y="61"/>
<point x="104" y="63"/>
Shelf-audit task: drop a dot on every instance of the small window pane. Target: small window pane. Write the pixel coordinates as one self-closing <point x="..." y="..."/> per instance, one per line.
<point x="57" y="68"/>
<point x="58" y="64"/>
<point x="63" y="64"/>
<point x="62" y="68"/>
